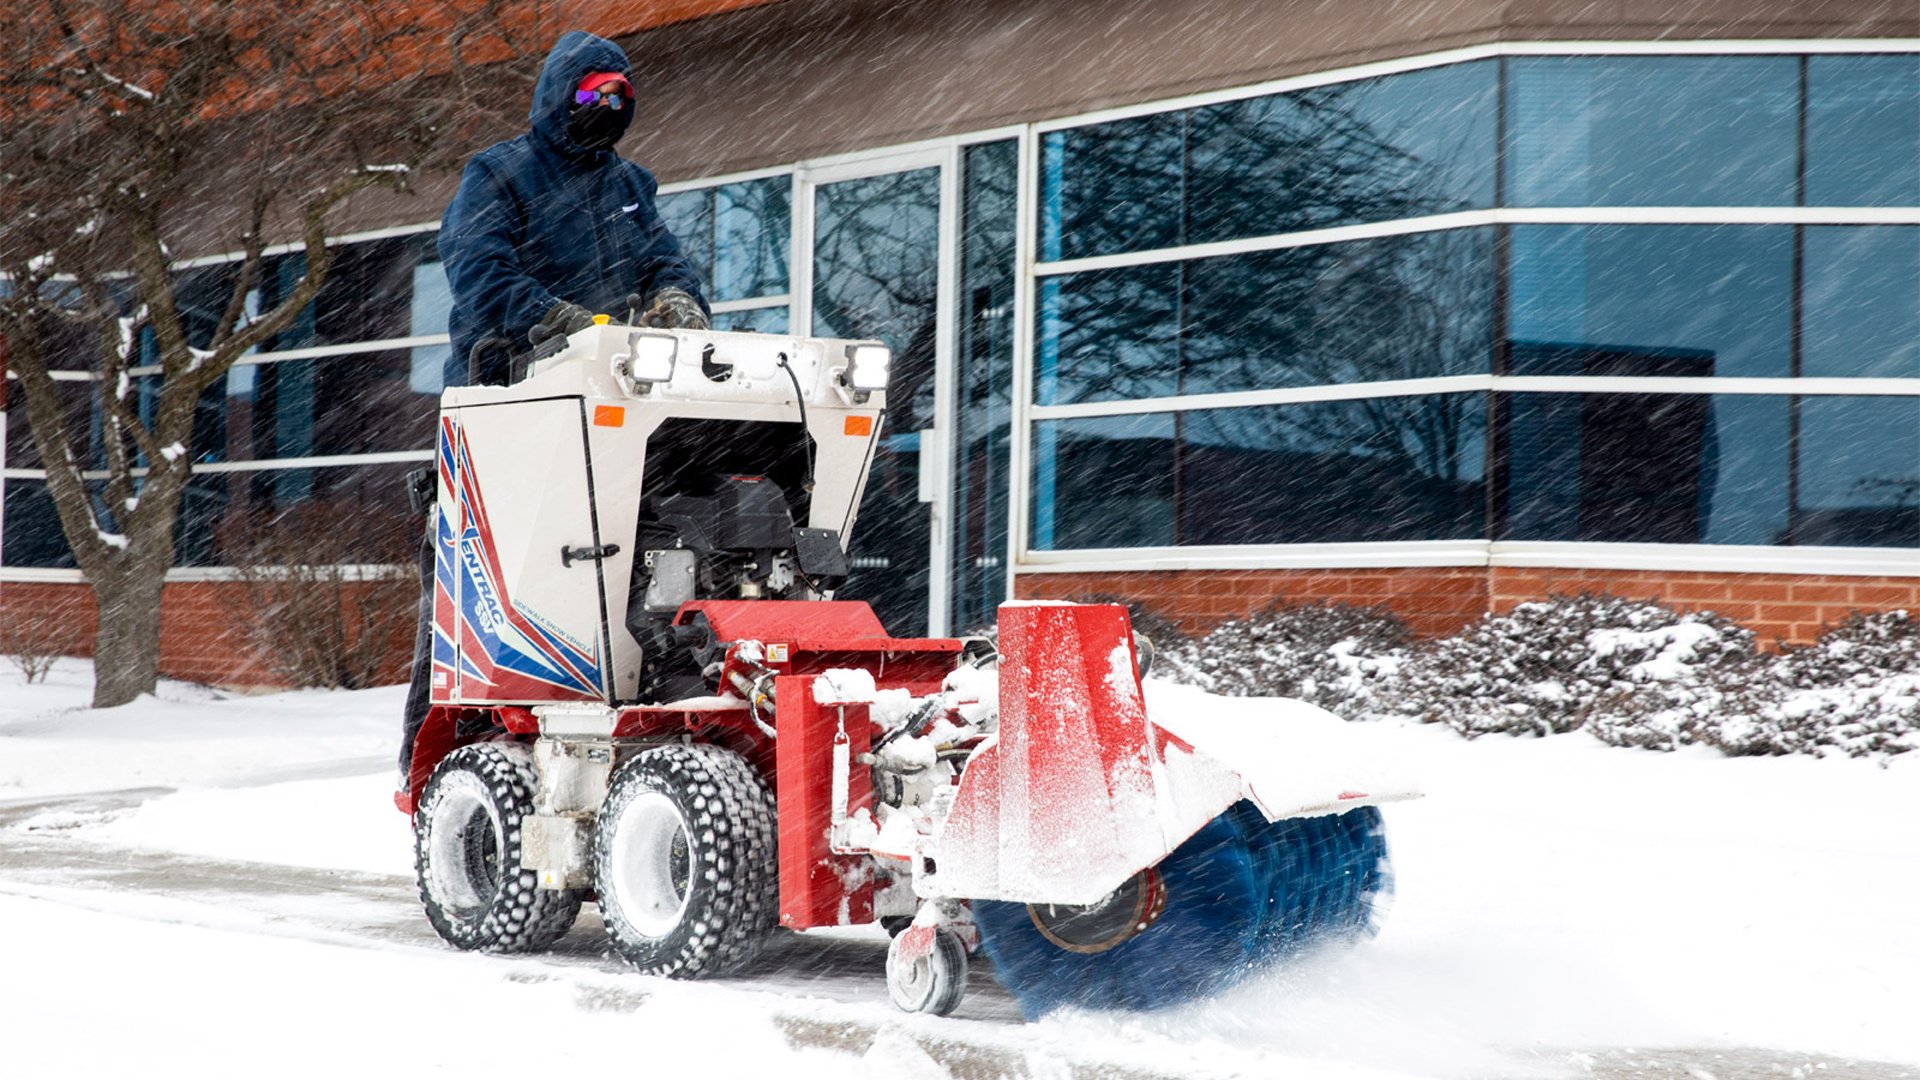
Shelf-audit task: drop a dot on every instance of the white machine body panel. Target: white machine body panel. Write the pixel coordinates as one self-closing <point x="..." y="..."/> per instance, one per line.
<point x="566" y="454"/>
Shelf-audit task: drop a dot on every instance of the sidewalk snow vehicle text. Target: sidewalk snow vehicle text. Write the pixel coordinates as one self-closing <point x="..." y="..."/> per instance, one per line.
<point x="644" y="697"/>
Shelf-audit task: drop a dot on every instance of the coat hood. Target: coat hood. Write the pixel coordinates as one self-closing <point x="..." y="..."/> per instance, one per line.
<point x="573" y="56"/>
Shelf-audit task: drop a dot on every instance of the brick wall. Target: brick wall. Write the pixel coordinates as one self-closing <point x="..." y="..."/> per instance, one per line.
<point x="1777" y="607"/>
<point x="1435" y="602"/>
<point x="203" y="632"/>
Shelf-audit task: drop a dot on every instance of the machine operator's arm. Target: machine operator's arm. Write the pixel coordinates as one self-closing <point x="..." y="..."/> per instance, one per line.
<point x="478" y="248"/>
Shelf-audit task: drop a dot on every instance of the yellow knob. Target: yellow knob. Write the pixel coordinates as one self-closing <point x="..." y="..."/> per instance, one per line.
<point x="602" y="320"/>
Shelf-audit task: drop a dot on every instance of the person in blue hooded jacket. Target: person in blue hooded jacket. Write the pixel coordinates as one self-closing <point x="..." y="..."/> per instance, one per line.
<point x="546" y="230"/>
<point x="553" y="226"/>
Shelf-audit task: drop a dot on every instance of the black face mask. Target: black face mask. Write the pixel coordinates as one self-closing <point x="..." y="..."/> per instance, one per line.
<point x="598" y="127"/>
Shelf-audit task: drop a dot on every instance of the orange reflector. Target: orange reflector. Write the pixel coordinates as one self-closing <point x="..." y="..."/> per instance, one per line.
<point x="609" y="416"/>
<point x="859" y="425"/>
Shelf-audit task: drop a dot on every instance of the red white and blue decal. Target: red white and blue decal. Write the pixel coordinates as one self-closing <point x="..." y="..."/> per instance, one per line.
<point x="502" y="655"/>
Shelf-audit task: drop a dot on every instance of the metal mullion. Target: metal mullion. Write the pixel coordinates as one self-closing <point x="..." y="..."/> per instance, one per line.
<point x="1498" y="216"/>
<point x="1020" y="430"/>
<point x="941" y="540"/>
<point x="752" y="303"/>
<point x="1439" y="384"/>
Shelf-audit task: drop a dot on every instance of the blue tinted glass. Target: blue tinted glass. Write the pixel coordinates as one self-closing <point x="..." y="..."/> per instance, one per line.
<point x="1859" y="472"/>
<point x="1323" y="472"/>
<point x="1645" y="468"/>
<point x="1652" y="131"/>
<point x="689" y="217"/>
<point x="765" y="320"/>
<point x="1863" y="130"/>
<point x="751" y="228"/>
<point x="1373" y="150"/>
<point x="32" y="536"/>
<point x="1105" y="482"/>
<point x="1687" y="299"/>
<point x="1109" y="334"/>
<point x="1860" y="302"/>
<point x="432" y="302"/>
<point x="1112" y="187"/>
<point x="983" y="383"/>
<point x="1399" y="307"/>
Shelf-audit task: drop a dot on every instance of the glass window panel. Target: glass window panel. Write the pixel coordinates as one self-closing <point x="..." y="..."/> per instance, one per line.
<point x="1110" y="188"/>
<point x="876" y="275"/>
<point x="1380" y="469"/>
<point x="766" y="320"/>
<point x="752" y="227"/>
<point x="1109" y="334"/>
<point x="1860" y="302"/>
<point x="1372" y="150"/>
<point x="82" y="415"/>
<point x="689" y="216"/>
<point x="359" y="404"/>
<point x="1859" y="472"/>
<point x="367" y="294"/>
<point x="220" y="512"/>
<point x="1710" y="300"/>
<point x="1399" y="307"/>
<point x="32" y="537"/>
<point x="1646" y="468"/>
<point x="202" y="294"/>
<point x="984" y="378"/>
<point x="1863" y="130"/>
<point x="432" y="304"/>
<point x="1104" y="482"/>
<point x="1377" y="469"/>
<point x="1652" y="131"/>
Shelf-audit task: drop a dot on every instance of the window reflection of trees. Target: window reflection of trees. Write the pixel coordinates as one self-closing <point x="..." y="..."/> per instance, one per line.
<point x="1399" y="307"/>
<point x="876" y="275"/>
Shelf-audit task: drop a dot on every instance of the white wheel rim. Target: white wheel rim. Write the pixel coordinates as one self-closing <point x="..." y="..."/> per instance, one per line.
<point x="462" y="804"/>
<point x="642" y="864"/>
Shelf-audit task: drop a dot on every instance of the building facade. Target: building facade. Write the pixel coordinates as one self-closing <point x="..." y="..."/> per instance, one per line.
<point x="1213" y="304"/>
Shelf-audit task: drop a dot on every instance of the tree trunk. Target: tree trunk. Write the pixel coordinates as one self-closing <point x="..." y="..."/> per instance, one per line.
<point x="126" y="652"/>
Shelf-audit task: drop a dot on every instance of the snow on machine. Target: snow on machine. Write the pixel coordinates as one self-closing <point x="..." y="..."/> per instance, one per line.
<point x="644" y="696"/>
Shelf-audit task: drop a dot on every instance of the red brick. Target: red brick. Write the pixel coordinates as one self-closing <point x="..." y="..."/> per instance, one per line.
<point x="1882" y="596"/>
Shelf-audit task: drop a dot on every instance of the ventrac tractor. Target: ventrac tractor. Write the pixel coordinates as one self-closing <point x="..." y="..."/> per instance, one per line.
<point x="646" y="697"/>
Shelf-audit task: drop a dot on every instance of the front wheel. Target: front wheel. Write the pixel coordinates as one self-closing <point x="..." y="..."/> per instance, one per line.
<point x="467" y="854"/>
<point x="685" y="858"/>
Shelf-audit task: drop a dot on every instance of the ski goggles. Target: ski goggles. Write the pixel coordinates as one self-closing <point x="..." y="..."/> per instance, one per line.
<point x="613" y="93"/>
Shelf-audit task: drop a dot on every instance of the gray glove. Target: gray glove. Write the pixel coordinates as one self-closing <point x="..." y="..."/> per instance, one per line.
<point x="566" y="317"/>
<point x="674" y="309"/>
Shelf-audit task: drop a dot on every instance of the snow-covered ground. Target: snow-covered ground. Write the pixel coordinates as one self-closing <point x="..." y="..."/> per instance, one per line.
<point x="1562" y="907"/>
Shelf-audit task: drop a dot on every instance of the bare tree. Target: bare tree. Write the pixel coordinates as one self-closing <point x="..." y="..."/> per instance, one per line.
<point x="134" y="133"/>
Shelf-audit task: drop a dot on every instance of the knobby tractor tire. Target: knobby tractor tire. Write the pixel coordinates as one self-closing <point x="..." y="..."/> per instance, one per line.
<point x="685" y="857"/>
<point x="467" y="854"/>
<point x="1241" y="894"/>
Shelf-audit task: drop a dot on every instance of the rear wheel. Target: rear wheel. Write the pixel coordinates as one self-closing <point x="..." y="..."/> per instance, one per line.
<point x="685" y="859"/>
<point x="467" y="854"/>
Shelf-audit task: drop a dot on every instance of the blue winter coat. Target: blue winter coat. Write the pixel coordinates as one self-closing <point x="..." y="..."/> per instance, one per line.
<point x="539" y="219"/>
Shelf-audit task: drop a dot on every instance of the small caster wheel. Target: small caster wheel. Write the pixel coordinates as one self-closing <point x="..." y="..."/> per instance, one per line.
<point x="927" y="970"/>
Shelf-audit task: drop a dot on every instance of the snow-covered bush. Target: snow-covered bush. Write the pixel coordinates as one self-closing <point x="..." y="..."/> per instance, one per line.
<point x="1555" y="665"/>
<point x="1854" y="691"/>
<point x="1331" y="654"/>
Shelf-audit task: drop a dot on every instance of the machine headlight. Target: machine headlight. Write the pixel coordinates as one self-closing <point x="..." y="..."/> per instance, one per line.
<point x="651" y="356"/>
<point x="867" y="366"/>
